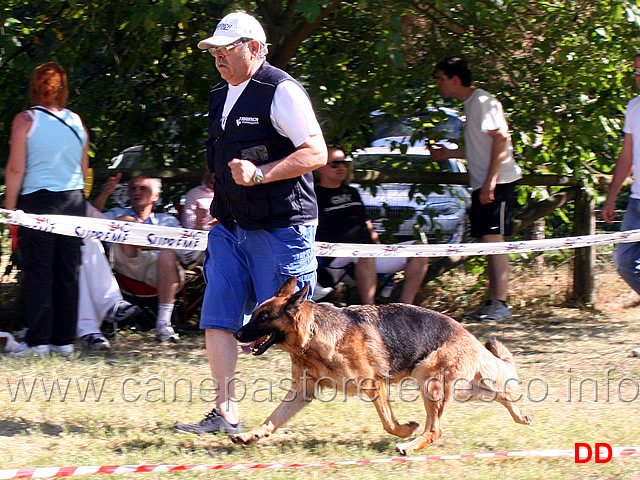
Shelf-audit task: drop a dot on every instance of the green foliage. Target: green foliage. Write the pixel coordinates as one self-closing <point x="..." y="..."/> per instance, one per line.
<point x="135" y="73"/>
<point x="561" y="69"/>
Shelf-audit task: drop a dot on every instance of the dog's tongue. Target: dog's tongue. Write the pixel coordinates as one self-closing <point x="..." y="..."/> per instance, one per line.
<point x="249" y="348"/>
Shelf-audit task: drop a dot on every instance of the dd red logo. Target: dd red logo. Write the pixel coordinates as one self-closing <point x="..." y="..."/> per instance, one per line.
<point x="585" y="449"/>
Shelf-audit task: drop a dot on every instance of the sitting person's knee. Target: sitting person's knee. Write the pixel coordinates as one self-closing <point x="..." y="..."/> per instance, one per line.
<point x="167" y="258"/>
<point x="366" y="261"/>
<point x="130" y="251"/>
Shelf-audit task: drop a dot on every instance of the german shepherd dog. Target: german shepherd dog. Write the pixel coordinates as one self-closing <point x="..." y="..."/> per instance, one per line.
<point x="363" y="349"/>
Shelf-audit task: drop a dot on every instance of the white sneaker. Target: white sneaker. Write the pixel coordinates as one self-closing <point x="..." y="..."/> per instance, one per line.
<point x="122" y="311"/>
<point x="62" y="350"/>
<point x="95" y="341"/>
<point x="490" y="311"/>
<point x="495" y="311"/>
<point x="24" y="350"/>
<point x="165" y="332"/>
<point x="9" y="341"/>
<point x="320" y="292"/>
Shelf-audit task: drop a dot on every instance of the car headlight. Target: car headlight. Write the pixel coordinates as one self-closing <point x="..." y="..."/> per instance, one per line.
<point x="442" y="208"/>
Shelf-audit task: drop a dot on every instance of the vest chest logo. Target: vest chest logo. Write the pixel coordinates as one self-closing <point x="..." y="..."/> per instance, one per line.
<point x="247" y="121"/>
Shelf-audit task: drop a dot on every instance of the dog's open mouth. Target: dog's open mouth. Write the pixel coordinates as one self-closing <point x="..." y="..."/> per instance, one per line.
<point x="261" y="345"/>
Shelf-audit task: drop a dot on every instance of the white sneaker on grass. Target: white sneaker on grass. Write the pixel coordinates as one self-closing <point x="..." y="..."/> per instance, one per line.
<point x="490" y="311"/>
<point x="95" y="341"/>
<point x="62" y="350"/>
<point x="165" y="332"/>
<point x="24" y="350"/>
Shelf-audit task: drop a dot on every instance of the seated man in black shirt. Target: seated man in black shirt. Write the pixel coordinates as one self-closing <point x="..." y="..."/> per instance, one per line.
<point x="342" y="219"/>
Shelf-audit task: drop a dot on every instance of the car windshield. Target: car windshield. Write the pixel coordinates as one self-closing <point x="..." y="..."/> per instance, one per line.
<point x="391" y="161"/>
<point x="441" y="123"/>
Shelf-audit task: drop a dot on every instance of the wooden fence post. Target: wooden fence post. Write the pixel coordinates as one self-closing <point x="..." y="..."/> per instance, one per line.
<point x="584" y="257"/>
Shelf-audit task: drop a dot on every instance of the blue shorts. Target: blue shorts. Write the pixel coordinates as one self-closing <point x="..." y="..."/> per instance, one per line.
<point x="243" y="268"/>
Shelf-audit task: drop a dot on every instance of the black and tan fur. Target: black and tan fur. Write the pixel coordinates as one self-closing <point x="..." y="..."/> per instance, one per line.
<point x="374" y="346"/>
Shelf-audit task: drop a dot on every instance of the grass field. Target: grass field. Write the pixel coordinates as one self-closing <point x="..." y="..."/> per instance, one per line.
<point x="119" y="408"/>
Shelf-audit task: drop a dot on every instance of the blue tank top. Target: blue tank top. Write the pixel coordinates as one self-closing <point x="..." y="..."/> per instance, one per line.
<point x="54" y="153"/>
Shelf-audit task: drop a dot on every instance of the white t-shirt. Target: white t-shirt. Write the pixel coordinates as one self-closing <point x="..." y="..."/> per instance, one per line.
<point x="484" y="113"/>
<point x="632" y="126"/>
<point x="292" y="114"/>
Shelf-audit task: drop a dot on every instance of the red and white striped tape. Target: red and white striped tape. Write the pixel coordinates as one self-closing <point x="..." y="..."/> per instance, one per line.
<point x="56" y="472"/>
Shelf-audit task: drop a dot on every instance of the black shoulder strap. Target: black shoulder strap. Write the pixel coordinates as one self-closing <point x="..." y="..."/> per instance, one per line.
<point x="63" y="122"/>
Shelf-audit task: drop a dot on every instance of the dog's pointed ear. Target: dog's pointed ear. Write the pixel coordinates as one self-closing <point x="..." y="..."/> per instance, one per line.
<point x="297" y="299"/>
<point x="287" y="287"/>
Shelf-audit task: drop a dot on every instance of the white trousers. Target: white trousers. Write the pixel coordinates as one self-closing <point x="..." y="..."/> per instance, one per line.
<point x="98" y="289"/>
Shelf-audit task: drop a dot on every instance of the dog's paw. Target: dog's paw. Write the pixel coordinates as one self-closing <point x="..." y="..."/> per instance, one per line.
<point x="243" y="438"/>
<point x="403" y="448"/>
<point x="523" y="418"/>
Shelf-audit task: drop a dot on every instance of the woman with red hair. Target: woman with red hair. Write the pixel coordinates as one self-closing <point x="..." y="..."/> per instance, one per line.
<point x="48" y="161"/>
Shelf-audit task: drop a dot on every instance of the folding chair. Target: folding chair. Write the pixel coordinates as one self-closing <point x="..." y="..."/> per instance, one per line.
<point x="145" y="296"/>
<point x="140" y="294"/>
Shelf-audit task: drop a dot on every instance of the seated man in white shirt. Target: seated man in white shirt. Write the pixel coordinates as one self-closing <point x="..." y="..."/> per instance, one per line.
<point x="159" y="268"/>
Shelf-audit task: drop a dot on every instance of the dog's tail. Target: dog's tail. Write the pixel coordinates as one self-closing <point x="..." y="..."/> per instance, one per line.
<point x="502" y="371"/>
<point x="500" y="351"/>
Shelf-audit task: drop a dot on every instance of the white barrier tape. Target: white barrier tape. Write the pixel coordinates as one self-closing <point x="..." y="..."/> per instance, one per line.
<point x="54" y="472"/>
<point x="463" y="249"/>
<point x="186" y="239"/>
<point x="113" y="231"/>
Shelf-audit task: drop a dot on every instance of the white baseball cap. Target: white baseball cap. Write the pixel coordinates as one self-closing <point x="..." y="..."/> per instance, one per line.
<point x="234" y="27"/>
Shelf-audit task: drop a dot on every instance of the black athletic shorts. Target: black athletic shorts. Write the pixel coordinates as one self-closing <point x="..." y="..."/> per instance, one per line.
<point x="495" y="218"/>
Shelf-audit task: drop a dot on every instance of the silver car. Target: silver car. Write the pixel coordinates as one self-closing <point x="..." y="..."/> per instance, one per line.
<point x="437" y="211"/>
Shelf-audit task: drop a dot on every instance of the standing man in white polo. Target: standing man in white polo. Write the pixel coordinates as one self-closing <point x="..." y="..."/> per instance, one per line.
<point x="493" y="175"/>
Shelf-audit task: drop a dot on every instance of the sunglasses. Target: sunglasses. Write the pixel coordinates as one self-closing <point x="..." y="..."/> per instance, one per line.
<point x="337" y="163"/>
<point x="227" y="48"/>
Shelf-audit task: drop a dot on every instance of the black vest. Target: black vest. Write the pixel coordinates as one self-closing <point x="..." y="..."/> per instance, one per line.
<point x="248" y="127"/>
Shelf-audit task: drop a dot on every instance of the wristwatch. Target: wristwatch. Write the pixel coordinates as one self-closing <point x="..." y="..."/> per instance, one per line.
<point x="258" y="177"/>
